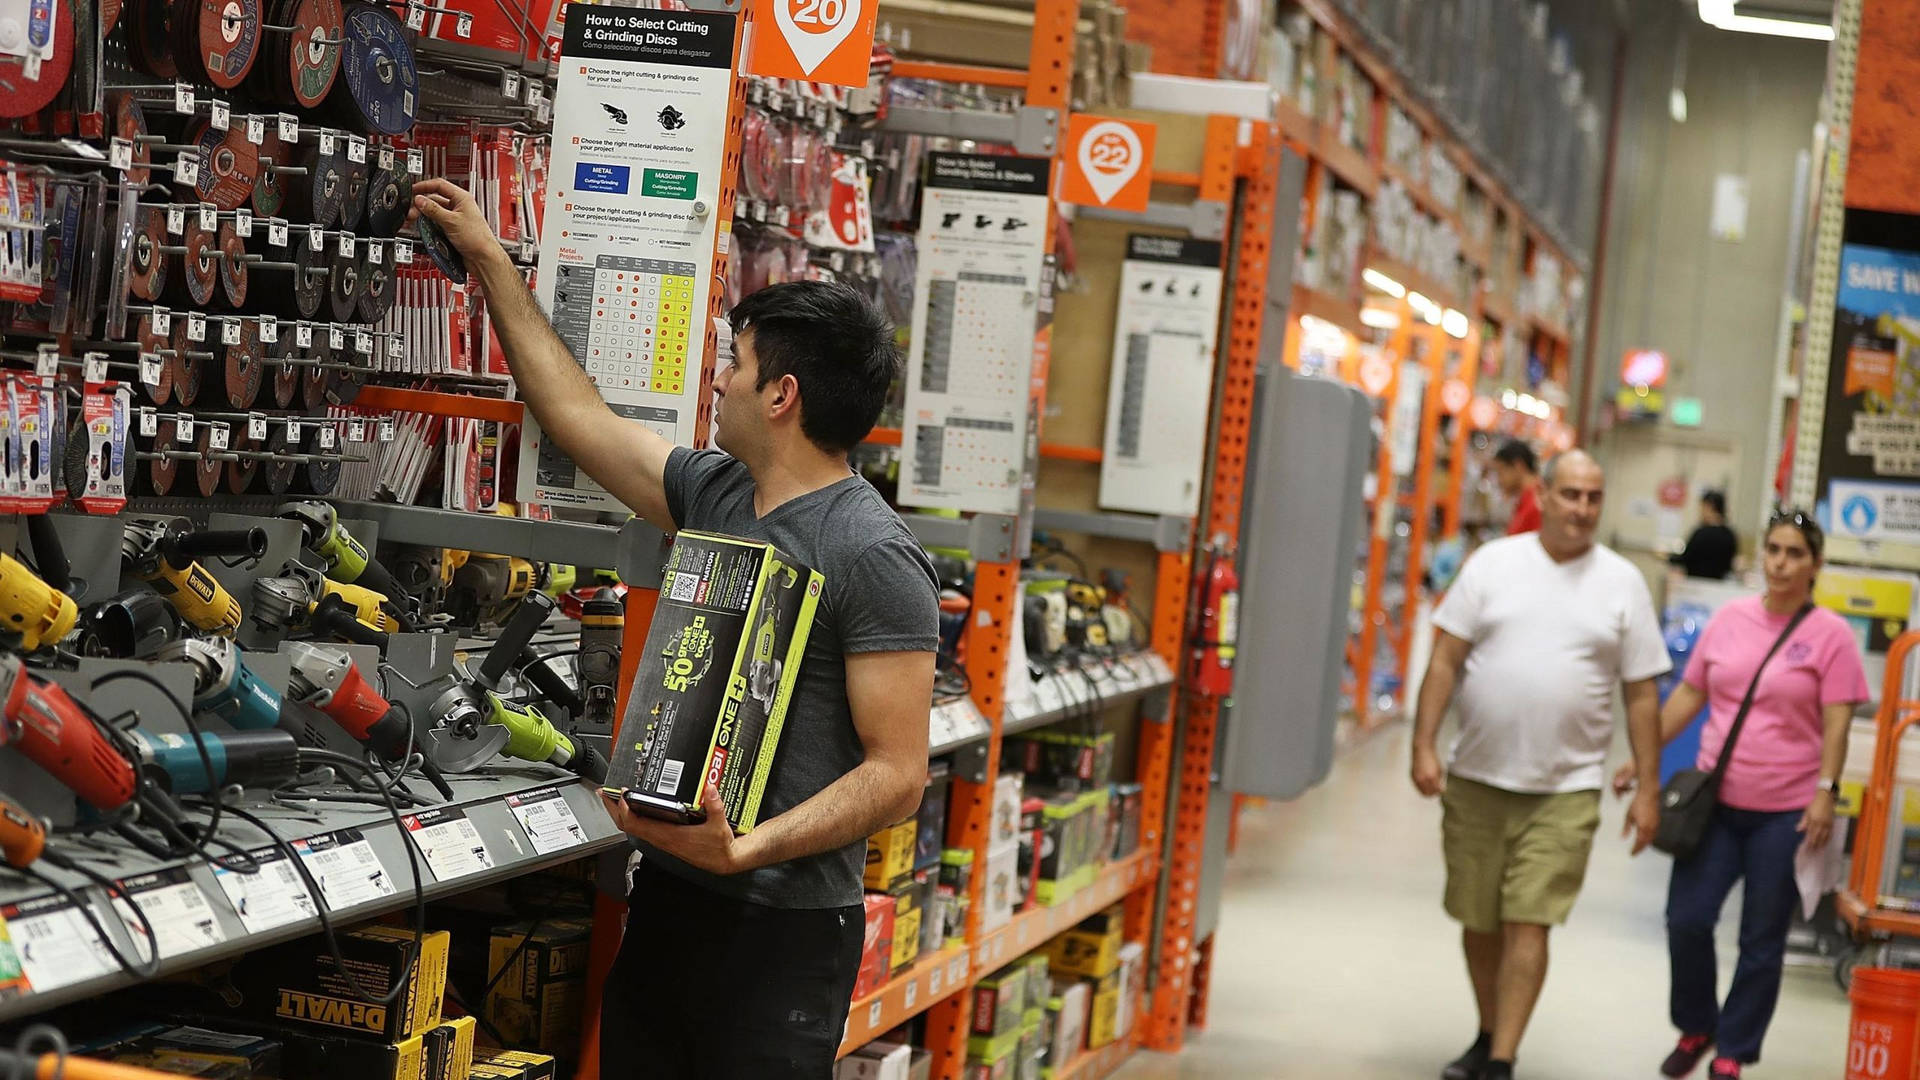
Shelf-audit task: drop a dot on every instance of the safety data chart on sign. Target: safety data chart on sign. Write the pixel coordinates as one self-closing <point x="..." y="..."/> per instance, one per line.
<point x="632" y="221"/>
<point x="979" y="292"/>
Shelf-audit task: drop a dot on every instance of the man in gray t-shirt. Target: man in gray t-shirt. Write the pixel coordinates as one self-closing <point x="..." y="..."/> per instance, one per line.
<point x="740" y="951"/>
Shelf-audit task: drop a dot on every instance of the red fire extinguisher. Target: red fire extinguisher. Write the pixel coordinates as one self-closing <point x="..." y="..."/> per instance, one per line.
<point x="1214" y="649"/>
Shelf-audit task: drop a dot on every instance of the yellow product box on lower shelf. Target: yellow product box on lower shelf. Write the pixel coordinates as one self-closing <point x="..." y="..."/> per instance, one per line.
<point x="326" y="1055"/>
<point x="1092" y="948"/>
<point x="1103" y="1015"/>
<point x="890" y="856"/>
<point x="298" y="988"/>
<point x="530" y="1066"/>
<point x="449" y="1049"/>
<point x="538" y="1000"/>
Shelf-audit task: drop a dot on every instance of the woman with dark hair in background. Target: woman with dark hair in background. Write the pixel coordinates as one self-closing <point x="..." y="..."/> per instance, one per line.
<point x="1709" y="551"/>
<point x="1779" y="790"/>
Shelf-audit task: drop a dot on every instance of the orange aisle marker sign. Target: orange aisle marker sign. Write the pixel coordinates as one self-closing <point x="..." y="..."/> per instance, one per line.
<point x="1109" y="162"/>
<point x="829" y="41"/>
<point x="1455" y="395"/>
<point x="1483" y="413"/>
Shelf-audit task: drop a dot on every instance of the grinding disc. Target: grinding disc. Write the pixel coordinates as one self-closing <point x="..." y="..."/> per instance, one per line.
<point x="153" y="343"/>
<point x="323" y="470"/>
<point x="313" y="379"/>
<point x="228" y="165"/>
<point x="440" y="250"/>
<point x="346" y="285"/>
<point x="150" y="37"/>
<point x="269" y="190"/>
<point x="286" y="377"/>
<point x="279" y="470"/>
<point x="206" y="471"/>
<point x="198" y="271"/>
<point x="353" y="205"/>
<point x="379" y="87"/>
<point x="389" y="196"/>
<point x="309" y="64"/>
<point x="310" y="281"/>
<point x="223" y="36"/>
<point x="146" y="263"/>
<point x="161" y="471"/>
<point x="343" y="384"/>
<point x="376" y="296"/>
<point x="244" y="367"/>
<point x="129" y="123"/>
<point x="20" y="96"/>
<point x="109" y="16"/>
<point x="318" y="196"/>
<point x="240" y="473"/>
<point x="191" y="369"/>
<point x="233" y="268"/>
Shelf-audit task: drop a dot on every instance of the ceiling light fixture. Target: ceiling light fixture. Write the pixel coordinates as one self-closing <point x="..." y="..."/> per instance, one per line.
<point x="1384" y="283"/>
<point x="1720" y="14"/>
<point x="1379" y="318"/>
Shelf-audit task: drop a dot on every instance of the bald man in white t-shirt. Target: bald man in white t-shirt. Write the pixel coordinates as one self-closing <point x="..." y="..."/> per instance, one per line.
<point x="1535" y="633"/>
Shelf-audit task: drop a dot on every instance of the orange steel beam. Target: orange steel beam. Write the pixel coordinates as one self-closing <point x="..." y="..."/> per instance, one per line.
<point x="1069" y="452"/>
<point x="1174" y="178"/>
<point x="1462" y="438"/>
<point x="438" y="403"/>
<point x="1010" y="78"/>
<point x="1372" y="619"/>
<point x="1172" y="985"/>
<point x="609" y="914"/>
<point x="1426" y="450"/>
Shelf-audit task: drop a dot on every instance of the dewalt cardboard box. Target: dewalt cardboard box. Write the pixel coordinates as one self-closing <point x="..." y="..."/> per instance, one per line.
<point x="532" y="1066"/>
<point x="362" y="1059"/>
<point x="890" y="856"/>
<point x="537" y="1001"/>
<point x="729" y="632"/>
<point x="449" y="1049"/>
<point x="297" y="988"/>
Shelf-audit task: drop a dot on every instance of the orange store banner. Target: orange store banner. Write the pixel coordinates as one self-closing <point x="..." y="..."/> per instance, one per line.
<point x="1884" y="156"/>
<point x="828" y="41"/>
<point x="1109" y="162"/>
<point x="1870" y="369"/>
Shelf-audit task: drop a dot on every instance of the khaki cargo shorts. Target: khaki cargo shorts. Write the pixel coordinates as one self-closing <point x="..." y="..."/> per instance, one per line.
<point x="1512" y="857"/>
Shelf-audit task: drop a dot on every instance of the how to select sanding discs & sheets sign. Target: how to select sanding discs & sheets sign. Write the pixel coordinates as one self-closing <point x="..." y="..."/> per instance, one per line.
<point x="971" y="417"/>
<point x="626" y="257"/>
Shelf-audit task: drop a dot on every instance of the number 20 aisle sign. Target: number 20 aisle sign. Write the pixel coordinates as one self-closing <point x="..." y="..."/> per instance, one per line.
<point x="828" y="41"/>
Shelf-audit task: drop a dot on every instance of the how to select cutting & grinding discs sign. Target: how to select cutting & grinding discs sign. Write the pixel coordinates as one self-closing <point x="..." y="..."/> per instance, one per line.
<point x="626" y="256"/>
<point x="1869" y="482"/>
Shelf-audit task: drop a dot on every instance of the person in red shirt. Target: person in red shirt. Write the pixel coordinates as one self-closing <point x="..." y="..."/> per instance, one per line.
<point x="1515" y="468"/>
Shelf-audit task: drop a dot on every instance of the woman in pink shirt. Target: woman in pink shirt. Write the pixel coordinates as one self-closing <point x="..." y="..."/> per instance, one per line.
<point x="1778" y="792"/>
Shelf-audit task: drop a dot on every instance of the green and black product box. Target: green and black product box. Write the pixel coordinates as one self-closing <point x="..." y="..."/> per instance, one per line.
<point x="728" y="635"/>
<point x="298" y="988"/>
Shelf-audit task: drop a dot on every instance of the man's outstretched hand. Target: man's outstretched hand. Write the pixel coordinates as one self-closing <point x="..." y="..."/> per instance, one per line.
<point x="710" y="845"/>
<point x="450" y="208"/>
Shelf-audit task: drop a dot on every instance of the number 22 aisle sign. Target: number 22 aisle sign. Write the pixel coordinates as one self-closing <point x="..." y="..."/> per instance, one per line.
<point x="1109" y="162"/>
<point x="828" y="41"/>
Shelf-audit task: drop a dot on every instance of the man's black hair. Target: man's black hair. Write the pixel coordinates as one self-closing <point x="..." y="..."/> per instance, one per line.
<point x="837" y="345"/>
<point x="1715" y="500"/>
<point x="1517" y="452"/>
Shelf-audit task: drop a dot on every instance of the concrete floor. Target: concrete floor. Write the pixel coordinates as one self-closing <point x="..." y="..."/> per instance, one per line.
<point x="1335" y="959"/>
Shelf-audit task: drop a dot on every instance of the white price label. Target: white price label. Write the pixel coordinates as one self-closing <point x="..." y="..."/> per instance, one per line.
<point x="183" y="428"/>
<point x="416" y="162"/>
<point x="402" y="252"/>
<point x="277" y="233"/>
<point x="542" y="111"/>
<point x="356" y="430"/>
<point x="229" y="331"/>
<point x="363" y="342"/>
<point x="387" y="158"/>
<point x="162" y="321"/>
<point x="289" y="125"/>
<point x="93" y="367"/>
<point x="395" y="349"/>
<point x="46" y="360"/>
<point x="386" y="429"/>
<point x="120" y="153"/>
<point x="269" y="329"/>
<point x="317" y="237"/>
<point x="532" y="95"/>
<point x="186" y="169"/>
<point x="874" y="1013"/>
<point x="30" y="67"/>
<point x="376" y="252"/>
<point x="176" y="220"/>
<point x="463" y="27"/>
<point x="209" y="216"/>
<point x="220" y="114"/>
<point x="327" y="437"/>
<point x="326" y="141"/>
<point x="448" y="841"/>
<point x="510" y="83"/>
<point x="416" y="15"/>
<point x="56" y="944"/>
<point x="149" y="375"/>
<point x="257" y="427"/>
<point x="912" y="995"/>
<point x="936" y="978"/>
<point x="196" y="326"/>
<point x="357" y="149"/>
<point x="336" y="338"/>
<point x="243" y="222"/>
<point x="273" y="897"/>
<point x="256" y="129"/>
<point x="182" y="98"/>
<point x="346" y="245"/>
<point x="303" y="335"/>
<point x="547" y="818"/>
<point x="219" y="436"/>
<point x="174" y="905"/>
<point x="293" y="431"/>
<point x="346" y="867"/>
<point x="149" y="422"/>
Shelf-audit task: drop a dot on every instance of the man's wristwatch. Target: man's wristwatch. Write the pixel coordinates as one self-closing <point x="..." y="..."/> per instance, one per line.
<point x="1831" y="787"/>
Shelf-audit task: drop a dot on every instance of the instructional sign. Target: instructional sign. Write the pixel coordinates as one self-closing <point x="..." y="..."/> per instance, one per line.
<point x="346" y="867"/>
<point x="1869" y="479"/>
<point x="1161" y="385"/>
<point x="971" y="423"/>
<point x="55" y="942"/>
<point x="626" y="252"/>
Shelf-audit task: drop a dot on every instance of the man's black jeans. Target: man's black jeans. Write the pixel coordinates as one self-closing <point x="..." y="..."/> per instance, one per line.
<point x="710" y="987"/>
<point x="1759" y="847"/>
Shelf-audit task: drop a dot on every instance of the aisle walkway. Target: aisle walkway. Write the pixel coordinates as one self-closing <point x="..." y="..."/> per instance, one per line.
<point x="1336" y="960"/>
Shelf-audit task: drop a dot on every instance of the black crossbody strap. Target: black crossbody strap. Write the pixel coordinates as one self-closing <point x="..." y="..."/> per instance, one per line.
<point x="1746" y="703"/>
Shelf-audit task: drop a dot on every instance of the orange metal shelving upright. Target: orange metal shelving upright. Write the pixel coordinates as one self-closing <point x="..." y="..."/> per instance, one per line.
<point x="1257" y="164"/>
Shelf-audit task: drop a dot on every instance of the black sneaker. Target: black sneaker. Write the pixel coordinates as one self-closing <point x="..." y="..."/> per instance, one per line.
<point x="1686" y="1055"/>
<point x="1468" y="1065"/>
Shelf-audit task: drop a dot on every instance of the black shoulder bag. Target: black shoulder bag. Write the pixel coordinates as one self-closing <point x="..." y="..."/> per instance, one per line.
<point x="1688" y="799"/>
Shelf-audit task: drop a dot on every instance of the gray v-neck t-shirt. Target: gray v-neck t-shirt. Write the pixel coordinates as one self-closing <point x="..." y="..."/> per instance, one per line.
<point x="881" y="595"/>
